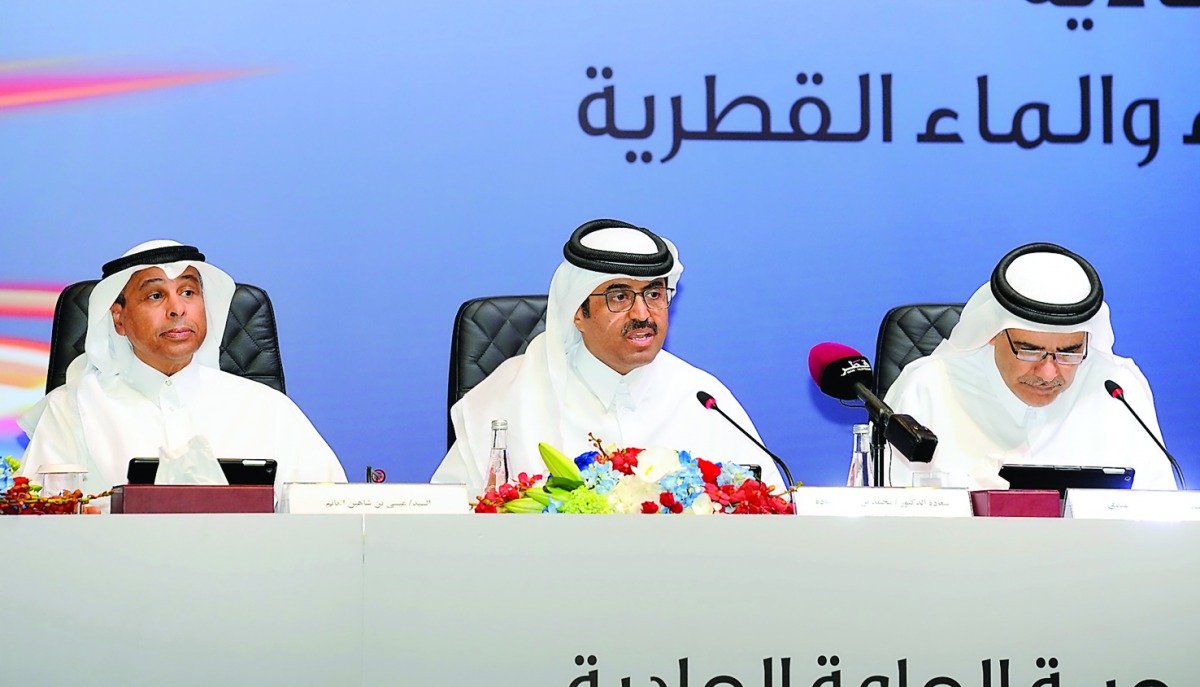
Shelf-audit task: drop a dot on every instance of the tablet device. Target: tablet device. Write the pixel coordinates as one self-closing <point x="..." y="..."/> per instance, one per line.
<point x="237" y="470"/>
<point x="1064" y="477"/>
<point x="754" y="470"/>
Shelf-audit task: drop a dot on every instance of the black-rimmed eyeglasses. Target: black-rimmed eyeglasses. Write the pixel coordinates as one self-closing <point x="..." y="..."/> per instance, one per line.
<point x="1037" y="355"/>
<point x="621" y="300"/>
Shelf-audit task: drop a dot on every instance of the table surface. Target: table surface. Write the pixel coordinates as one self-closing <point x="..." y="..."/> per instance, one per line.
<point x="600" y="600"/>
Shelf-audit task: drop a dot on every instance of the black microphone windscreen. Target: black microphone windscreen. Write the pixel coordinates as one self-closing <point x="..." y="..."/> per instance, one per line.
<point x="841" y="377"/>
<point x="1113" y="388"/>
<point x="706" y="399"/>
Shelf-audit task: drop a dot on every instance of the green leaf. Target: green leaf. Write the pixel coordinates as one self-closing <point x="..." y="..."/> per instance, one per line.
<point x="565" y="484"/>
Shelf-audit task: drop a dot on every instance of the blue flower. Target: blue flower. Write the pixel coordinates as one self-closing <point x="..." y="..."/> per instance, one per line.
<point x="685" y="484"/>
<point x="586" y="459"/>
<point x="732" y="473"/>
<point x="555" y="504"/>
<point x="599" y="477"/>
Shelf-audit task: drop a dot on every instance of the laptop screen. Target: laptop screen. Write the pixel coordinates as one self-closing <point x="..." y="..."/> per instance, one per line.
<point x="237" y="470"/>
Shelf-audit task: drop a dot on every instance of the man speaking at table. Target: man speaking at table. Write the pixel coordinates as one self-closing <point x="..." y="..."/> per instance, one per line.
<point x="1022" y="380"/>
<point x="149" y="383"/>
<point x="599" y="369"/>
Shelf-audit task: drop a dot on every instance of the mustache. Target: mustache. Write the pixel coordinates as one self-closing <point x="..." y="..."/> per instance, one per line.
<point x="1039" y="382"/>
<point x="182" y="321"/>
<point x="638" y="324"/>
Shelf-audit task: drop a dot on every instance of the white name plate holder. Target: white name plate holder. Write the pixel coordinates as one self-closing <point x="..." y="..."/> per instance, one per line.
<point x="1127" y="504"/>
<point x="927" y="502"/>
<point x="375" y="499"/>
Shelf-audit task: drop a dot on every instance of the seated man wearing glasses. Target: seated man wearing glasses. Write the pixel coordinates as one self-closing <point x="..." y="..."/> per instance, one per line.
<point x="1022" y="380"/>
<point x="599" y="370"/>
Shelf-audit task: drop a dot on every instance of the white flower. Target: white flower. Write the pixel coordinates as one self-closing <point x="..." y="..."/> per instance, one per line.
<point x="656" y="463"/>
<point x="702" y="505"/>
<point x="630" y="493"/>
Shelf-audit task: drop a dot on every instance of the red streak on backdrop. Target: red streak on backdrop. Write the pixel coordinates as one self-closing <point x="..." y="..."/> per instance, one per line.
<point x="23" y="90"/>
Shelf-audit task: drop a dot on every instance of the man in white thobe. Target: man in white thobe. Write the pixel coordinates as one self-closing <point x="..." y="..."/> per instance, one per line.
<point x="1021" y="380"/>
<point x="149" y="383"/>
<point x="599" y="369"/>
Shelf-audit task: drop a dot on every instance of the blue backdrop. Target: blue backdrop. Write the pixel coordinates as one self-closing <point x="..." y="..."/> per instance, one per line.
<point x="374" y="164"/>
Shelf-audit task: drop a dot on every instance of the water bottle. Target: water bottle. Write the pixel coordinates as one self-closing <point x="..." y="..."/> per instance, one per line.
<point x="497" y="473"/>
<point x="860" y="458"/>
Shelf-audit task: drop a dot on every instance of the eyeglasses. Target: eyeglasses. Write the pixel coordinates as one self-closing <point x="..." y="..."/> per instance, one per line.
<point x="1033" y="355"/>
<point x="621" y="300"/>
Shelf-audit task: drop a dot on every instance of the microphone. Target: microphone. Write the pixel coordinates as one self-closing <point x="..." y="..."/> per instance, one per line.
<point x="840" y="371"/>
<point x="710" y="403"/>
<point x="1118" y="393"/>
<point x="845" y="374"/>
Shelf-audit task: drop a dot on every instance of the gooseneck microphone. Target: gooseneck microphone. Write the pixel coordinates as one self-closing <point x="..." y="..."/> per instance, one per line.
<point x="1118" y="393"/>
<point x="845" y="374"/>
<point x="709" y="402"/>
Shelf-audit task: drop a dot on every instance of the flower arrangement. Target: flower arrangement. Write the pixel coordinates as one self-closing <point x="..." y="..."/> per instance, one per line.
<point x="19" y="497"/>
<point x="633" y="480"/>
<point x="8" y="467"/>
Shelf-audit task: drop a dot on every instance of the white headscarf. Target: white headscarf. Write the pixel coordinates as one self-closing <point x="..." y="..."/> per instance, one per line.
<point x="107" y="354"/>
<point x="959" y="392"/>
<point x="557" y="404"/>
<point x="571" y="286"/>
<point x="110" y="353"/>
<point x="1046" y="277"/>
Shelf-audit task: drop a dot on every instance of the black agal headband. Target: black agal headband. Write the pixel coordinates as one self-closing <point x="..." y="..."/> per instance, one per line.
<point x="653" y="264"/>
<point x="153" y="256"/>
<point x="1037" y="311"/>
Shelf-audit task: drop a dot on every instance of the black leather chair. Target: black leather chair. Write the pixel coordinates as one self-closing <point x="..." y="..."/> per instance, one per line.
<point x="488" y="331"/>
<point x="909" y="332"/>
<point x="250" y="347"/>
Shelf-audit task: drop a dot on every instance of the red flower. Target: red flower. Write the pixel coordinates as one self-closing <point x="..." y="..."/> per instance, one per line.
<point x="625" y="460"/>
<point x="649" y="507"/>
<point x="708" y="471"/>
<point x="751" y="497"/>
<point x="489" y="502"/>
<point x="719" y="494"/>
<point x="508" y="492"/>
<point x="20" y="481"/>
<point x="525" y="482"/>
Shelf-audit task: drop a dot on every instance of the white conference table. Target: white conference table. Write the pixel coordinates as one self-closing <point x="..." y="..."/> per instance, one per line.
<point x="637" y="600"/>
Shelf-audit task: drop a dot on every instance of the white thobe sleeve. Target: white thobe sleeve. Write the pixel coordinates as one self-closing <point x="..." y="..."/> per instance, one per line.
<point x="58" y="437"/>
<point x="453" y="469"/>
<point x="904" y="398"/>
<point x="1153" y="470"/>
<point x="316" y="461"/>
<point x="771" y="474"/>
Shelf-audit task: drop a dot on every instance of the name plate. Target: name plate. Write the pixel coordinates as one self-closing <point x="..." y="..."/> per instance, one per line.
<point x="1127" y="504"/>
<point x="928" y="502"/>
<point x="390" y="499"/>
